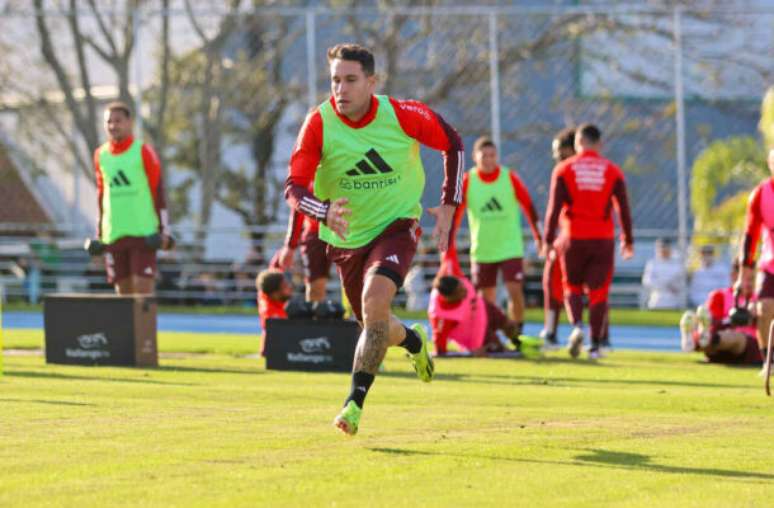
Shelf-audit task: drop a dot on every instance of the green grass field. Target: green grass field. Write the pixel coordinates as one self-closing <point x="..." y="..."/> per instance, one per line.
<point x="212" y="427"/>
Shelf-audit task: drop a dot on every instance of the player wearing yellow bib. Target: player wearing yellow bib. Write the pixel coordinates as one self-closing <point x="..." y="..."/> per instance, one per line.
<point x="130" y="204"/>
<point x="362" y="153"/>
<point x="493" y="195"/>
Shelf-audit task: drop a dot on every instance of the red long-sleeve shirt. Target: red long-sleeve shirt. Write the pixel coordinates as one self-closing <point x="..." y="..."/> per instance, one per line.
<point x="416" y="119"/>
<point x="520" y="192"/>
<point x="586" y="187"/>
<point x="753" y="223"/>
<point x="152" y="166"/>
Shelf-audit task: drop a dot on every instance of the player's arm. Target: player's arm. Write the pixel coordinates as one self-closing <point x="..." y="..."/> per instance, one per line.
<point x="152" y="165"/>
<point x="558" y="197"/>
<point x="621" y="201"/>
<point x="303" y="166"/>
<point x="449" y="259"/>
<point x="441" y="330"/>
<point x="524" y="199"/>
<point x="430" y="129"/>
<point x="752" y="232"/>
<point x="283" y="258"/>
<point x="100" y="182"/>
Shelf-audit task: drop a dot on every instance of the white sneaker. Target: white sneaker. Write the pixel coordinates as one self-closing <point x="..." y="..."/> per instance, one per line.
<point x="596" y="353"/>
<point x="575" y="342"/>
<point x="703" y="321"/>
<point x="687" y="325"/>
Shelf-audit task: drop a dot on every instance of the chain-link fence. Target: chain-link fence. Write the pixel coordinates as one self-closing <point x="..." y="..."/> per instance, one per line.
<point x="221" y="91"/>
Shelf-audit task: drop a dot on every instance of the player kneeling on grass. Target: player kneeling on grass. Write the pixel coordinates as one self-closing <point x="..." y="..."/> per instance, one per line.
<point x="274" y="291"/>
<point x="723" y="328"/>
<point x="458" y="313"/>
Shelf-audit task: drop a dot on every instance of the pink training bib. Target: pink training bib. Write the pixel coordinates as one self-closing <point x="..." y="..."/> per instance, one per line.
<point x="470" y="316"/>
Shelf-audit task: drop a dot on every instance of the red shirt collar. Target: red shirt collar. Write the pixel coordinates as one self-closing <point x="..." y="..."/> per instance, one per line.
<point x="590" y="153"/>
<point x="367" y="118"/>
<point x="488" y="177"/>
<point x="117" y="147"/>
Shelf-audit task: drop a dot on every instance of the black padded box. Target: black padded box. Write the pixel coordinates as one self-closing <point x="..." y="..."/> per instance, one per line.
<point x="311" y="345"/>
<point x="89" y="329"/>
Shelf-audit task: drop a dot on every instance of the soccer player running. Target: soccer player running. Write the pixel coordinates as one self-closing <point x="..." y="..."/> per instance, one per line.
<point x="760" y="218"/>
<point x="562" y="147"/>
<point x="131" y="209"/>
<point x="362" y="153"/>
<point x="584" y="190"/>
<point x="493" y="195"/>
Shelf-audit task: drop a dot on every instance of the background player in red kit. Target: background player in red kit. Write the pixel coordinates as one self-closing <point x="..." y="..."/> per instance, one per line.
<point x="562" y="147"/>
<point x="584" y="190"/>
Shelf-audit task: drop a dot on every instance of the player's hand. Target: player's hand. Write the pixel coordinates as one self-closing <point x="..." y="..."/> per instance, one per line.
<point x="336" y="218"/>
<point x="443" y="218"/>
<point x="742" y="285"/>
<point x="627" y="251"/>
<point x="539" y="247"/>
<point x="167" y="242"/>
<point x="285" y="258"/>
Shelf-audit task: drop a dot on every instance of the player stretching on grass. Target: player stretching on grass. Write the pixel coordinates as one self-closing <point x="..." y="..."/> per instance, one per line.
<point x="760" y="217"/>
<point x="493" y="195"/>
<point x="362" y="152"/>
<point x="584" y="190"/>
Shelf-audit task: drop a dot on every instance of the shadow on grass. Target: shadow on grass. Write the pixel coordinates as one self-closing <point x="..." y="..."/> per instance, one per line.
<point x="518" y="380"/>
<point x="599" y="458"/>
<point x="206" y="370"/>
<point x="68" y="377"/>
<point x="52" y="402"/>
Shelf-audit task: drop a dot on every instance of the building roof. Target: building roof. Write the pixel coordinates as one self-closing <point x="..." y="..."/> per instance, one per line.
<point x="17" y="203"/>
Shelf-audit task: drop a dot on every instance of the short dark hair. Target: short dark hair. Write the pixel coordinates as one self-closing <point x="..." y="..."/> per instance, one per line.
<point x="483" y="142"/>
<point x="589" y="132"/>
<point x="119" y="106"/>
<point x="566" y="138"/>
<point x="269" y="281"/>
<point x="446" y="285"/>
<point x="355" y="53"/>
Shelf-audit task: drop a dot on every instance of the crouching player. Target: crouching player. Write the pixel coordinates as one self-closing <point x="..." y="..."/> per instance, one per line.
<point x="274" y="291"/>
<point x="712" y="331"/>
<point x="458" y="313"/>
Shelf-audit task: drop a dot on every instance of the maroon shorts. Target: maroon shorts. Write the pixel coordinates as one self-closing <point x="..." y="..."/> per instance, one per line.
<point x="553" y="290"/>
<point x="390" y="254"/>
<point x="485" y="274"/>
<point x="314" y="257"/>
<point x="750" y="356"/>
<point x="129" y="256"/>
<point x="767" y="286"/>
<point x="588" y="263"/>
<point x="495" y="320"/>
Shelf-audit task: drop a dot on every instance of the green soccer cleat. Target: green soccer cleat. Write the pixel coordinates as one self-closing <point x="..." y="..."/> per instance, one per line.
<point x="348" y="420"/>
<point x="422" y="362"/>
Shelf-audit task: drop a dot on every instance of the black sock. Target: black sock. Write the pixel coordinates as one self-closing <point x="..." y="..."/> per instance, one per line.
<point x="519" y="328"/>
<point x="361" y="383"/>
<point x="412" y="342"/>
<point x="595" y="343"/>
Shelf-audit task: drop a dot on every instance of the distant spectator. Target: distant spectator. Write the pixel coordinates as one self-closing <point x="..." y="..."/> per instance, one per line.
<point x="664" y="278"/>
<point x="417" y="296"/>
<point x="711" y="331"/>
<point x="274" y="291"/>
<point x="710" y="276"/>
